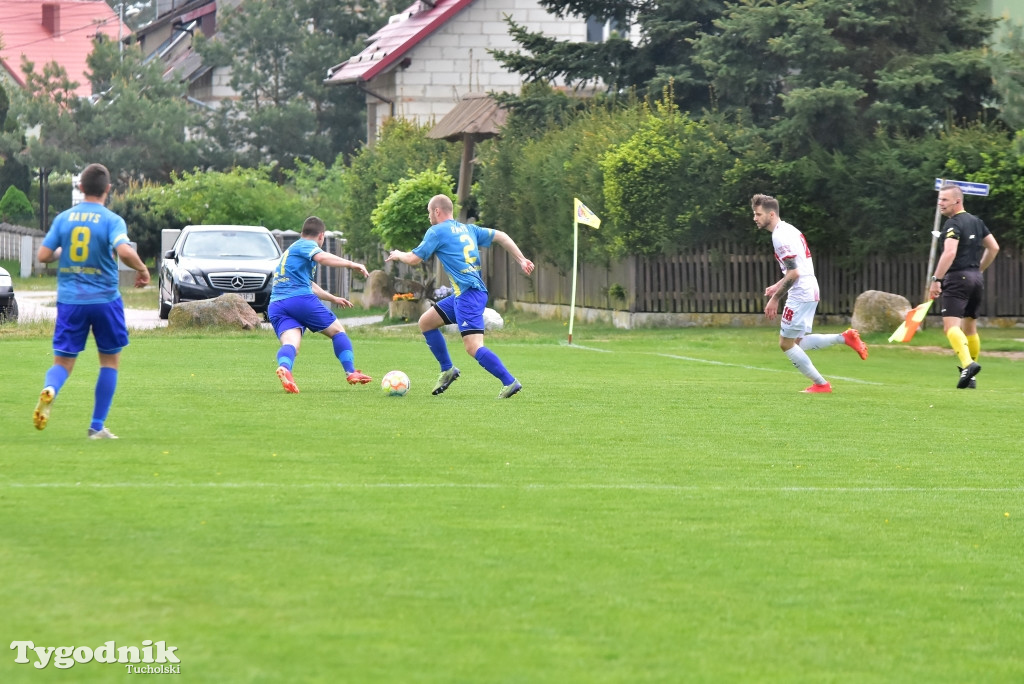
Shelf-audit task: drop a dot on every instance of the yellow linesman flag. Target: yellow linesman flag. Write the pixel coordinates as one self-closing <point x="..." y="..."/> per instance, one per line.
<point x="907" y="328"/>
<point x="584" y="215"/>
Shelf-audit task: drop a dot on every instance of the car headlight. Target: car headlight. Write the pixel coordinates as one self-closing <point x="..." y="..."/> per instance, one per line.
<point x="187" y="278"/>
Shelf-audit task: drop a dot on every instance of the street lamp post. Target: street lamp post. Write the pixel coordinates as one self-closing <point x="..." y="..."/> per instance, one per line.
<point x="44" y="198"/>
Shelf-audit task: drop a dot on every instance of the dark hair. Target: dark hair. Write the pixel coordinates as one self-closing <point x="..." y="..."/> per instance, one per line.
<point x="95" y="180"/>
<point x="766" y="202"/>
<point x="312" y="227"/>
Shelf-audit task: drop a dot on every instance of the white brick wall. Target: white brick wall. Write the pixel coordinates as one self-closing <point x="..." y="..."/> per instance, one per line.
<point x="454" y="61"/>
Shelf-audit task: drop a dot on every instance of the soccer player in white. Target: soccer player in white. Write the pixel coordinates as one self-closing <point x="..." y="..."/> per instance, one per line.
<point x="799" y="289"/>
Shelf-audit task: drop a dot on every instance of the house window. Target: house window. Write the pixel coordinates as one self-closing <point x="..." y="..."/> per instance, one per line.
<point x="598" y="30"/>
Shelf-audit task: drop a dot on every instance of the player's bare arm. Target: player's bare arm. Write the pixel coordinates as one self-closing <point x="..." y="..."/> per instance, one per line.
<point x="991" y="250"/>
<point x="945" y="261"/>
<point x="326" y="296"/>
<point x="328" y="259"/>
<point x="510" y="246"/>
<point x="781" y="289"/>
<point x="786" y="284"/>
<point x="130" y="257"/>
<point x="405" y="257"/>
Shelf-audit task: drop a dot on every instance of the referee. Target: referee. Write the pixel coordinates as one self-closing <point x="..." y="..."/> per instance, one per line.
<point x="968" y="250"/>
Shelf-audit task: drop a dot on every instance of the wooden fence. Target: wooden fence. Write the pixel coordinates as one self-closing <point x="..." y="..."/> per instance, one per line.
<point x="722" y="278"/>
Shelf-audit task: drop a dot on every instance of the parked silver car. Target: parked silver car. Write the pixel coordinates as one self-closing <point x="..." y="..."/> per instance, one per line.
<point x="208" y="261"/>
<point x="8" y="304"/>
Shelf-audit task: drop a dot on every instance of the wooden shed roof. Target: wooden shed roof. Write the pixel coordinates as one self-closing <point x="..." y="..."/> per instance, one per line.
<point x="477" y="114"/>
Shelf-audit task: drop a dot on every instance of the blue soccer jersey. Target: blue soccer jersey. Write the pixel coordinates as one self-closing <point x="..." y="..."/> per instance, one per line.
<point x="296" y="271"/>
<point x="87" y="234"/>
<point x="457" y="245"/>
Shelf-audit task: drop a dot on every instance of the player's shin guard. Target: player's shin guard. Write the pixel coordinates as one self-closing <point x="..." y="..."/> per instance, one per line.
<point x="55" y="378"/>
<point x="803" y="364"/>
<point x="106" y="385"/>
<point x="812" y="342"/>
<point x="958" y="341"/>
<point x="343" y="350"/>
<point x="438" y="347"/>
<point x="974" y="345"/>
<point x="493" y="365"/>
<point x="286" y="356"/>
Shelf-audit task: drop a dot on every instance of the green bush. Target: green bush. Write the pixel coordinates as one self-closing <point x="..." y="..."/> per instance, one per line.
<point x="15" y="207"/>
<point x="528" y="181"/>
<point x="677" y="182"/>
<point x="402" y="150"/>
<point x="401" y="219"/>
<point x="238" y="197"/>
<point x="146" y="216"/>
<point x="992" y="159"/>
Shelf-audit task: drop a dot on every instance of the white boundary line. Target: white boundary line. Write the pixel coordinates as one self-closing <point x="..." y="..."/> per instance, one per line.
<point x="694" y="359"/>
<point x="643" y="487"/>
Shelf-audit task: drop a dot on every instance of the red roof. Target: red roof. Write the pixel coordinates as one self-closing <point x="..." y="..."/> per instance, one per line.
<point x="65" y="37"/>
<point x="394" y="40"/>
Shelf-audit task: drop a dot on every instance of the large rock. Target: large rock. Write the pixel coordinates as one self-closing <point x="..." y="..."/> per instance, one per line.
<point x="379" y="289"/>
<point x="877" y="311"/>
<point x="227" y="310"/>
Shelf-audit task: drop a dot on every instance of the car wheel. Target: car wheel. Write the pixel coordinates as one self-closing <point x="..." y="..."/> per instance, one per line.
<point x="165" y="308"/>
<point x="9" y="313"/>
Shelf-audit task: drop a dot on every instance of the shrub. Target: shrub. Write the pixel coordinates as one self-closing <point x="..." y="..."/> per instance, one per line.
<point x="402" y="150"/>
<point x="15" y="207"/>
<point x="401" y="219"/>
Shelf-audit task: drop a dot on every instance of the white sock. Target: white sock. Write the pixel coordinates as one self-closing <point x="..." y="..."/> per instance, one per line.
<point x="812" y="342"/>
<point x="803" y="363"/>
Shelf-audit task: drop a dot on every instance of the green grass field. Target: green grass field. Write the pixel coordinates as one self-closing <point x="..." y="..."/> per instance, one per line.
<point x="655" y="506"/>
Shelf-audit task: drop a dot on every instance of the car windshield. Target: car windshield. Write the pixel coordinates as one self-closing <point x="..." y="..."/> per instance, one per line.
<point x="228" y="244"/>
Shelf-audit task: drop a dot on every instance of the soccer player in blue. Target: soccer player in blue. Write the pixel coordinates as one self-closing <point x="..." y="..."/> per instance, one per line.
<point x="457" y="245"/>
<point x="84" y="239"/>
<point x="295" y="304"/>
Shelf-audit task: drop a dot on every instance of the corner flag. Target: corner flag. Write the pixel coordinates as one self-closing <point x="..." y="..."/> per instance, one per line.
<point x="584" y="215"/>
<point x="580" y="215"/>
<point x="906" y="331"/>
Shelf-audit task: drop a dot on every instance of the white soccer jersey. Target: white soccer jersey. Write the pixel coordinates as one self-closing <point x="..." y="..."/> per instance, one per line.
<point x="789" y="243"/>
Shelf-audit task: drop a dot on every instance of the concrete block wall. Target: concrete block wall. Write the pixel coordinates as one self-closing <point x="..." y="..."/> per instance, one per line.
<point x="453" y="61"/>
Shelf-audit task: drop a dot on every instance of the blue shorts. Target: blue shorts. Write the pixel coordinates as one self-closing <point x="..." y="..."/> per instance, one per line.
<point x="74" y="321"/>
<point x="301" y="311"/>
<point x="466" y="309"/>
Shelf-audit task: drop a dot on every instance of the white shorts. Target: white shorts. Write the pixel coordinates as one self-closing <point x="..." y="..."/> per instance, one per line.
<point x="797" y="319"/>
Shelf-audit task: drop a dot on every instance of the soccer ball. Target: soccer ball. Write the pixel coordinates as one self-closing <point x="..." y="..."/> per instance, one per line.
<point x="395" y="383"/>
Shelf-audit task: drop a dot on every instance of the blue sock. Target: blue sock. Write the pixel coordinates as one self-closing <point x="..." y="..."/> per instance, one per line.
<point x="343" y="350"/>
<point x="55" y="378"/>
<point x="106" y="383"/>
<point x="438" y="347"/>
<point x="286" y="356"/>
<point x="493" y="365"/>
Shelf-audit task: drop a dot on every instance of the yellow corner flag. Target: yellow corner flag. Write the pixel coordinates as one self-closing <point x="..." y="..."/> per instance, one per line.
<point x="584" y="215"/>
<point x="906" y="331"/>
